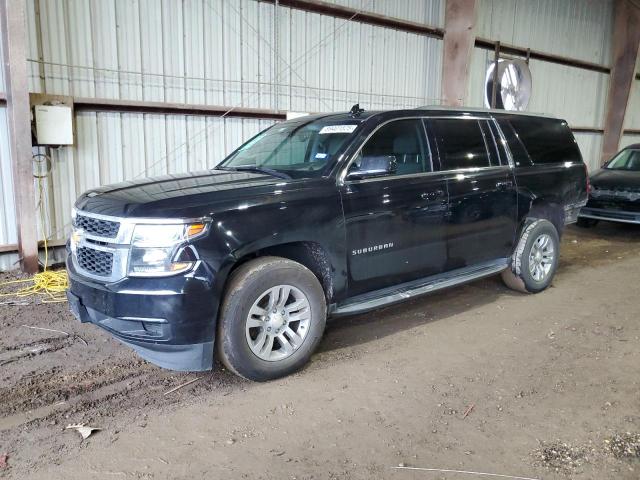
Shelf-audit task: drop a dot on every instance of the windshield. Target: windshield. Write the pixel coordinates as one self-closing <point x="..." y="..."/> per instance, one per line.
<point x="297" y="149"/>
<point x="628" y="159"/>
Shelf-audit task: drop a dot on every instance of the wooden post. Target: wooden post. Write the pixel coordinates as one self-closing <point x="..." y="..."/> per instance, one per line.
<point x="459" y="39"/>
<point x="626" y="40"/>
<point x="14" y="41"/>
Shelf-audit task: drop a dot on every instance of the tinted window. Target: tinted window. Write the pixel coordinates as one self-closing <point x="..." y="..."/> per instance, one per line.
<point x="518" y="152"/>
<point x="490" y="142"/>
<point x="404" y="140"/>
<point x="547" y="140"/>
<point x="461" y="143"/>
<point x="499" y="144"/>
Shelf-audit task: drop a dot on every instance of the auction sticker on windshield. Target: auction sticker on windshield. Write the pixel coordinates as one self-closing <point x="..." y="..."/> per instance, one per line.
<point x="338" y="129"/>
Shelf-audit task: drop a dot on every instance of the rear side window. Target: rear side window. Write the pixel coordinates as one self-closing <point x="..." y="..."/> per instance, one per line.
<point x="461" y="143"/>
<point x="547" y="140"/>
<point x="518" y="152"/>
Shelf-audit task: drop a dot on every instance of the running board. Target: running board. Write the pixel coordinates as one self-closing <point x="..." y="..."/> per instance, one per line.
<point x="404" y="291"/>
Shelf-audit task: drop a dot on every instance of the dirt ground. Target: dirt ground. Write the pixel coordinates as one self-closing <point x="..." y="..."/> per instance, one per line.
<point x="476" y="378"/>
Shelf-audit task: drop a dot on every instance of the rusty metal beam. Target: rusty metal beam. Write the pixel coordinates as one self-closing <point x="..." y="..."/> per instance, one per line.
<point x="626" y="41"/>
<point x="361" y="16"/>
<point x="539" y="55"/>
<point x="587" y="130"/>
<point x="113" y="105"/>
<point x="14" y="45"/>
<point x="459" y="36"/>
<point x="13" y="247"/>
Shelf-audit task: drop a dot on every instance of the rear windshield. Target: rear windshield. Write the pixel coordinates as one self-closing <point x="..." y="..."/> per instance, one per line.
<point x="547" y="140"/>
<point x="296" y="149"/>
<point x="628" y="159"/>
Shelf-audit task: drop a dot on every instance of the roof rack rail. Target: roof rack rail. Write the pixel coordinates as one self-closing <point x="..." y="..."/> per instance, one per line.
<point x="484" y="110"/>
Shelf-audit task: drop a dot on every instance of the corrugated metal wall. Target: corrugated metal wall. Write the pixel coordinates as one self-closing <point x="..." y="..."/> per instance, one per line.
<point x="632" y="118"/>
<point x="216" y="52"/>
<point x="574" y="28"/>
<point x="8" y="233"/>
<point x="227" y="52"/>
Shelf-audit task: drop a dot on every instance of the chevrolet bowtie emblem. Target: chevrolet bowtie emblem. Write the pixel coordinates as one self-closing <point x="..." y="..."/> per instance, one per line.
<point x="76" y="238"/>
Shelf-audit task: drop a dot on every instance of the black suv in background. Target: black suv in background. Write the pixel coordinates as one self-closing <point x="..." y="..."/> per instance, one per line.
<point x="615" y="190"/>
<point x="321" y="216"/>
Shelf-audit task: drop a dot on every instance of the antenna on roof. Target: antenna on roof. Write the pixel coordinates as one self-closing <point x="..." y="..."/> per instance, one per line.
<point x="356" y="110"/>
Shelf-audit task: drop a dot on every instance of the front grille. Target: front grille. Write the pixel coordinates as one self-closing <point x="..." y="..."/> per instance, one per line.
<point x="95" y="262"/>
<point x="95" y="226"/>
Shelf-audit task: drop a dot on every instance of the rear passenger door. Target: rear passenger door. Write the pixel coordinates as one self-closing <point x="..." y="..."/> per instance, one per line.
<point x="481" y="224"/>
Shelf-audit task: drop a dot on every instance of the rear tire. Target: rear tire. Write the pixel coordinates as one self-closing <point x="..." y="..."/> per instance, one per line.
<point x="272" y="319"/>
<point x="535" y="259"/>
<point x="586" y="222"/>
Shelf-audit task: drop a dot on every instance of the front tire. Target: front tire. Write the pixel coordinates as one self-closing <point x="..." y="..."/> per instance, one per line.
<point x="535" y="260"/>
<point x="272" y="319"/>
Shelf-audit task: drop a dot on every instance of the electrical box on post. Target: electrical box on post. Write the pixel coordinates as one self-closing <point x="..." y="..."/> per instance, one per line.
<point x="52" y="120"/>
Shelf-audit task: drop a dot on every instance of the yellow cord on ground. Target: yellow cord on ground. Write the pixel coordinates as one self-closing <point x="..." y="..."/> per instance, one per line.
<point x="51" y="283"/>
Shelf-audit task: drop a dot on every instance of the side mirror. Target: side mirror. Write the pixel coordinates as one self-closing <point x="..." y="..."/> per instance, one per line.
<point x="372" y="166"/>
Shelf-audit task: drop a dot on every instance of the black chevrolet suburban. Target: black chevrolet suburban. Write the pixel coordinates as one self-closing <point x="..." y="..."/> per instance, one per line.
<point x="320" y="216"/>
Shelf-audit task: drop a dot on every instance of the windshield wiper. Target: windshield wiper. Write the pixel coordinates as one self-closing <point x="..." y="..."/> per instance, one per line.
<point x="257" y="169"/>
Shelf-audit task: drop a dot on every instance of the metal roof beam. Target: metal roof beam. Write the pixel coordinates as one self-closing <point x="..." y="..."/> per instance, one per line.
<point x="113" y="105"/>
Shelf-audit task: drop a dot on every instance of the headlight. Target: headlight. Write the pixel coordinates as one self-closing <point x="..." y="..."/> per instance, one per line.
<point x="155" y="249"/>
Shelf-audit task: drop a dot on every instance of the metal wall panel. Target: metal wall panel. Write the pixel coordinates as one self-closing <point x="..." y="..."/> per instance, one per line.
<point x="632" y="118"/>
<point x="329" y="64"/>
<point x="227" y="52"/>
<point x="209" y="51"/>
<point x="8" y="233"/>
<point x="591" y="147"/>
<point x="629" y="140"/>
<point x="573" y="28"/>
<point x="429" y="12"/>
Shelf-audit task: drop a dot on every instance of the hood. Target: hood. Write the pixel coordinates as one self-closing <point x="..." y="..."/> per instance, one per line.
<point x="180" y="196"/>
<point x="607" y="179"/>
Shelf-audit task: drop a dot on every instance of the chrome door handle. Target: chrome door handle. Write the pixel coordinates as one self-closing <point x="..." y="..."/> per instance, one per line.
<point x="432" y="195"/>
<point x="505" y="185"/>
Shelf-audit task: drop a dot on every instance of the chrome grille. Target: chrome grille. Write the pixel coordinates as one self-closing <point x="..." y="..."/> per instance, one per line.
<point x="97" y="226"/>
<point x="96" y="262"/>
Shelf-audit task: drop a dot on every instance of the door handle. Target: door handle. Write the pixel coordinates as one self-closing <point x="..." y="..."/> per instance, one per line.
<point x="432" y="195"/>
<point x="504" y="185"/>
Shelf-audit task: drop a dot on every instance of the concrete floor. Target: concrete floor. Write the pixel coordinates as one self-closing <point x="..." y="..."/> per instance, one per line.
<point x="551" y="377"/>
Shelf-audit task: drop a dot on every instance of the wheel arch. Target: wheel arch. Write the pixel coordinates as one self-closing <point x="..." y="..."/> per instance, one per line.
<point x="308" y="253"/>
<point x="547" y="208"/>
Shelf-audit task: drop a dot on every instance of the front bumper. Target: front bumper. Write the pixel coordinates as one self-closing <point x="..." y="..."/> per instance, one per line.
<point x="169" y="321"/>
<point x="610" y="215"/>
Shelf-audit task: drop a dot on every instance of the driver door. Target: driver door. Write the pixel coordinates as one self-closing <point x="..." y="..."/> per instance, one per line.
<point x="395" y="221"/>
